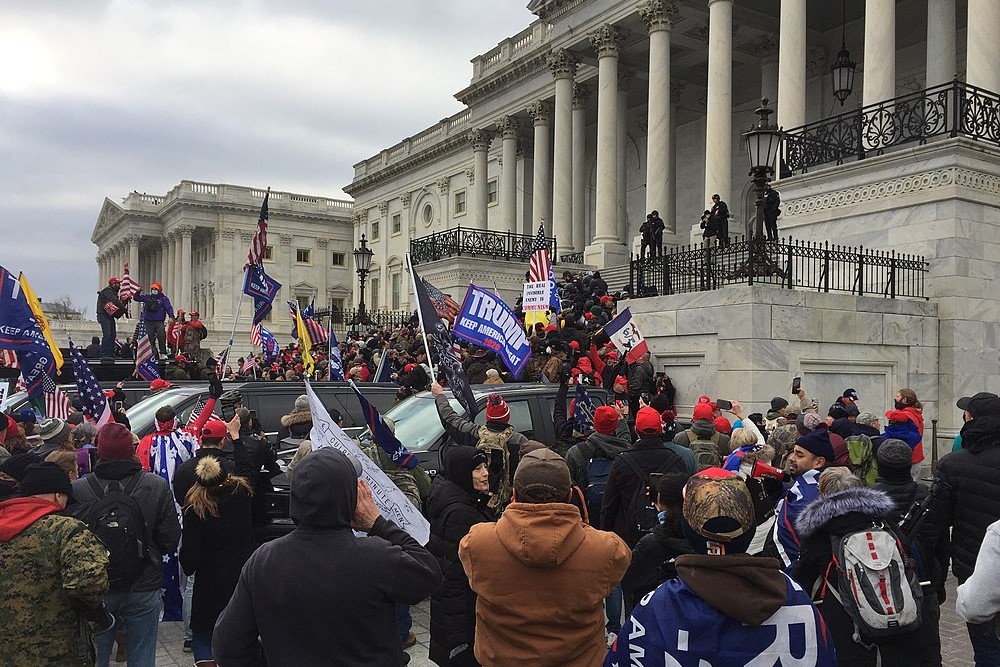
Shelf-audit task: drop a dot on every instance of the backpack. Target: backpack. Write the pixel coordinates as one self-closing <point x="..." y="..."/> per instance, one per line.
<point x="706" y="451"/>
<point x="597" y="471"/>
<point x="859" y="447"/>
<point x="116" y="520"/>
<point x="874" y="585"/>
<point x="642" y="513"/>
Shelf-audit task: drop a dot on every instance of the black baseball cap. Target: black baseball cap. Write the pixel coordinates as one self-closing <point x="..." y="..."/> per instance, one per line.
<point x="963" y="403"/>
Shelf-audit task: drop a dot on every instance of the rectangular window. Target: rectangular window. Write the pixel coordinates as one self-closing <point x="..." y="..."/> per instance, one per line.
<point x="460" y="202"/>
<point x="396" y="282"/>
<point x="338" y="259"/>
<point x="375" y="231"/>
<point x="337" y="305"/>
<point x="303" y="302"/>
<point x="373" y="285"/>
<point x="491" y="193"/>
<point x="396" y="223"/>
<point x="269" y="253"/>
<point x="302" y="255"/>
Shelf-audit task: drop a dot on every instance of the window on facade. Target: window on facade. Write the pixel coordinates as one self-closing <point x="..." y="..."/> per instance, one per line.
<point x="396" y="223"/>
<point x="212" y="251"/>
<point x="460" y="202"/>
<point x="491" y="192"/>
<point x="337" y="305"/>
<point x="302" y="255"/>
<point x="375" y="231"/>
<point x="269" y="253"/>
<point x="338" y="259"/>
<point x="373" y="285"/>
<point x="396" y="282"/>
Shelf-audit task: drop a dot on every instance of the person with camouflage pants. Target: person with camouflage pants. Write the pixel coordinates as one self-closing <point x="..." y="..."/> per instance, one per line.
<point x="52" y="571"/>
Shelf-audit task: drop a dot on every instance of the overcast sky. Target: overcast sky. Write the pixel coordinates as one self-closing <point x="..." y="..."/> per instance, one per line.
<point x="99" y="98"/>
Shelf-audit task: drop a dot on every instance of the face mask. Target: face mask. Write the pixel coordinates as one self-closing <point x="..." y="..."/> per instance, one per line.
<point x="155" y="292"/>
<point x="900" y="405"/>
<point x="662" y="516"/>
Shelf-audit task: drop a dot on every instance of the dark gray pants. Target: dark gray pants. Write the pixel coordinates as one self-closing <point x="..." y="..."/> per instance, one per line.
<point x="157" y="337"/>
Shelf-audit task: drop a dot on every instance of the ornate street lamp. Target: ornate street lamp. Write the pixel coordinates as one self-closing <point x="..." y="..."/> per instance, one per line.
<point x="763" y="141"/>
<point x="844" y="68"/>
<point x="362" y="262"/>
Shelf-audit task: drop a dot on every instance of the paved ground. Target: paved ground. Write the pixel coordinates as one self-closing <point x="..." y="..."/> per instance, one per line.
<point x="955" y="648"/>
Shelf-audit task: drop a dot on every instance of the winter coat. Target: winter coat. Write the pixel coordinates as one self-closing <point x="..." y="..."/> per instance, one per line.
<point x="785" y="536"/>
<point x="184" y="476"/>
<point x="829" y="518"/>
<point x="453" y="507"/>
<point x="296" y="424"/>
<point x="156" y="503"/>
<point x="596" y="445"/>
<point x="320" y="593"/>
<point x="641" y="379"/>
<point x="617" y="511"/>
<point x="652" y="561"/>
<point x="968" y="499"/>
<point x="979" y="597"/>
<point x="541" y="575"/>
<point x="723" y="607"/>
<point x="109" y="295"/>
<point x="157" y="307"/>
<point x="906" y="425"/>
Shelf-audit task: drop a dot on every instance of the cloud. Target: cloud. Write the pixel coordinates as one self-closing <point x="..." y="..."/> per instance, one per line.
<point x="101" y="98"/>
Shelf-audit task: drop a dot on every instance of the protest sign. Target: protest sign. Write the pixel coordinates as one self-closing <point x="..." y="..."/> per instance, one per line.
<point x="535" y="296"/>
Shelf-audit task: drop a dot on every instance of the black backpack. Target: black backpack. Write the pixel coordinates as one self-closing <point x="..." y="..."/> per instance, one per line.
<point x="598" y="470"/>
<point x="116" y="520"/>
<point x="642" y="513"/>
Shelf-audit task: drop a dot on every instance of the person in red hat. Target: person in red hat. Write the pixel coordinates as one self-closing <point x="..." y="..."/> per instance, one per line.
<point x="158" y="385"/>
<point x="710" y="447"/>
<point x="722" y="425"/>
<point x="619" y="387"/>
<point x="109" y="309"/>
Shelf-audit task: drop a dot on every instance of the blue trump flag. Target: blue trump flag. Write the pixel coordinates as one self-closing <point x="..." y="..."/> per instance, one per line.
<point x="381" y="434"/>
<point x="20" y="331"/>
<point x="336" y="363"/>
<point x="263" y="288"/>
<point x="485" y="320"/>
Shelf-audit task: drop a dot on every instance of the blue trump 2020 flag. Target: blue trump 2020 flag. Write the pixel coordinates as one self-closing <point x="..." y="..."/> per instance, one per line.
<point x="381" y="434"/>
<point x="583" y="411"/>
<point x="263" y="288"/>
<point x="20" y="331"/>
<point x="485" y="320"/>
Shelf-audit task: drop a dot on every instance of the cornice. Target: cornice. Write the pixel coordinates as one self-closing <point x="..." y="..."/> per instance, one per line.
<point x="519" y="70"/>
<point x="449" y="145"/>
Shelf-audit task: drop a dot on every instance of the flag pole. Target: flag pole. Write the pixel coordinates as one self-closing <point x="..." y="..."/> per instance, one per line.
<point x="420" y="317"/>
<point x="236" y="319"/>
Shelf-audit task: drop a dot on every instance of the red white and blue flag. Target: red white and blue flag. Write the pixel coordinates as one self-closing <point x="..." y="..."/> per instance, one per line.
<point x="626" y="336"/>
<point x="540" y="268"/>
<point x="126" y="290"/>
<point x="92" y="399"/>
<point x="259" y="243"/>
<point x="56" y="402"/>
<point x="145" y="362"/>
<point x="317" y="334"/>
<point x="263" y="338"/>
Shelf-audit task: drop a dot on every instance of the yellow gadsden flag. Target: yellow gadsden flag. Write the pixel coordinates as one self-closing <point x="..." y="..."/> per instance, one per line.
<point x="43" y="323"/>
<point x="305" y="343"/>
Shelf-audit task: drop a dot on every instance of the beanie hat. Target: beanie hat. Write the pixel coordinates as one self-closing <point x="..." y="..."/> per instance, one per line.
<point x="156" y="286"/>
<point x="718" y="509"/>
<point x="722" y="425"/>
<point x="542" y="470"/>
<point x="778" y="402"/>
<point x="208" y="471"/>
<point x="852" y="410"/>
<point x="114" y="443"/>
<point x="818" y="443"/>
<point x="54" y="430"/>
<point x="660" y="402"/>
<point x="497" y="409"/>
<point x="703" y="411"/>
<point x="648" y="422"/>
<point x="807" y="422"/>
<point x="302" y="403"/>
<point x="17" y="465"/>
<point x="46" y="477"/>
<point x="894" y="454"/>
<point x="605" y="419"/>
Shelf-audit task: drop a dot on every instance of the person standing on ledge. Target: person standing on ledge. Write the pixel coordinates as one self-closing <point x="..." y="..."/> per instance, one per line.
<point x="656" y="226"/>
<point x="157" y="309"/>
<point x="109" y="309"/>
<point x="720" y="216"/>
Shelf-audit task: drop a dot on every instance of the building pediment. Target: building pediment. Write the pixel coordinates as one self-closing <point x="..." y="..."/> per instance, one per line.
<point x="111" y="213"/>
<point x="303" y="287"/>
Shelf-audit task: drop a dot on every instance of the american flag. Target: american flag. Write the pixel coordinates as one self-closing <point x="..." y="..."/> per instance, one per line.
<point x="446" y="307"/>
<point x="56" y="402"/>
<point x="540" y="267"/>
<point x="248" y="365"/>
<point x="197" y="411"/>
<point x="220" y="362"/>
<point x="259" y="242"/>
<point x="145" y="362"/>
<point x="8" y="358"/>
<point x="263" y="338"/>
<point x="95" y="403"/>
<point x="583" y="411"/>
<point x="317" y="334"/>
<point x="127" y="290"/>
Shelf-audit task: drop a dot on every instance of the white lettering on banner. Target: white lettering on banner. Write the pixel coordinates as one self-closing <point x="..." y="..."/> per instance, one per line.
<point x="390" y="500"/>
<point x="3" y="394"/>
<point x="799" y="616"/>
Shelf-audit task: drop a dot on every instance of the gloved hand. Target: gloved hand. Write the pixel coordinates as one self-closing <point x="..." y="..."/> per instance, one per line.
<point x="214" y="386"/>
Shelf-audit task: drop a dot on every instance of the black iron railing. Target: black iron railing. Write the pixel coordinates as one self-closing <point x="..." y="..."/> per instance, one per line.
<point x="347" y="319"/>
<point x="571" y="258"/>
<point x="950" y="110"/>
<point x="475" y="243"/>
<point x="783" y="263"/>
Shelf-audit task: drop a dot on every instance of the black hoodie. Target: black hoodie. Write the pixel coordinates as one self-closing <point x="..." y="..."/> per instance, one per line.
<point x="320" y="594"/>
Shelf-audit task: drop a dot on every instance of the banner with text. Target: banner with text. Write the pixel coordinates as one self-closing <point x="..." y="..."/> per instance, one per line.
<point x="535" y="296"/>
<point x="488" y="322"/>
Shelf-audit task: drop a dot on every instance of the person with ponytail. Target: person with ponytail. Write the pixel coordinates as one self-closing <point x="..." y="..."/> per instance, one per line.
<point x="909" y="408"/>
<point x="217" y="541"/>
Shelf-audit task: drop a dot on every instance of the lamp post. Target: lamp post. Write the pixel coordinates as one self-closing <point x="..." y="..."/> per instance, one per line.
<point x="362" y="262"/>
<point x="762" y="141"/>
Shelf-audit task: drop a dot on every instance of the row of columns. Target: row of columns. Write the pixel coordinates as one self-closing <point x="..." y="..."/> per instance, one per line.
<point x="170" y="265"/>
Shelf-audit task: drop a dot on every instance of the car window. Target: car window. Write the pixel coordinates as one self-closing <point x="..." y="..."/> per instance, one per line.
<point x="520" y="417"/>
<point x="142" y="415"/>
<point x="417" y="422"/>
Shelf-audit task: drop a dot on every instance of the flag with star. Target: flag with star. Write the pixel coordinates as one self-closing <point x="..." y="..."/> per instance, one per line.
<point x="92" y="399"/>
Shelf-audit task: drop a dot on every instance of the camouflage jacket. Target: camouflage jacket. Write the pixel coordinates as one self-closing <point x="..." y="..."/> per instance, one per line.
<point x="405" y="480"/>
<point x="50" y="571"/>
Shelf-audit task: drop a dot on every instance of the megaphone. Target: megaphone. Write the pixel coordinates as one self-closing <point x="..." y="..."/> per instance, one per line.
<point x="765" y="484"/>
<point x="757" y="469"/>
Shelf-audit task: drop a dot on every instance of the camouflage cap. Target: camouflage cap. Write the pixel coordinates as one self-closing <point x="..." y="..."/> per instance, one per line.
<point x="718" y="506"/>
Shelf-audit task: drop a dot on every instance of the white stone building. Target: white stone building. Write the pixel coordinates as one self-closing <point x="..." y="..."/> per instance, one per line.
<point x="600" y="111"/>
<point x="194" y="241"/>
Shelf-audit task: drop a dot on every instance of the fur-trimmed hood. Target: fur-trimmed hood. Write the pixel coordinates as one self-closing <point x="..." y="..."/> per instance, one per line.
<point x="861" y="500"/>
<point x="297" y="417"/>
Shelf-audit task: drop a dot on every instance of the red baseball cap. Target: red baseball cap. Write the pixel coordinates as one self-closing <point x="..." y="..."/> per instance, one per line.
<point x="647" y="420"/>
<point x="215" y="428"/>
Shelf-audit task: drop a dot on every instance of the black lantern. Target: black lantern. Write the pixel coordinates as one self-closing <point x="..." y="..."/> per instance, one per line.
<point x="763" y="140"/>
<point x="362" y="262"/>
<point x="844" y="68"/>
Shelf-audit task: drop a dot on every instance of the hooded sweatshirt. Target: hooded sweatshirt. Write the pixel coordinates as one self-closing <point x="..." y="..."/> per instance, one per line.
<point x="723" y="611"/>
<point x="545" y="554"/>
<point x="320" y="591"/>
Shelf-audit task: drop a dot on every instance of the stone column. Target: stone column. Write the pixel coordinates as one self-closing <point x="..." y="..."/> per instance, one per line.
<point x="880" y="51"/>
<point x="508" y="126"/>
<point x="719" y="112"/>
<point x="625" y="76"/>
<point x="323" y="291"/>
<point x="286" y="258"/>
<point x="541" y="183"/>
<point x="480" y="140"/>
<point x="607" y="248"/>
<point x="792" y="64"/>
<point x="941" y="66"/>
<point x="659" y="17"/>
<point x="171" y="285"/>
<point x="983" y="45"/>
<point x="765" y="47"/>
<point x="227" y="281"/>
<point x="581" y="237"/>
<point x="100" y="270"/>
<point x="133" y="258"/>
<point x="563" y="66"/>
<point x="669" y="216"/>
<point x="185" y="260"/>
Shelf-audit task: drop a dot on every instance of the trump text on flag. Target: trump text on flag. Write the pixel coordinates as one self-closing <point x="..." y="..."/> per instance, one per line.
<point x="487" y="321"/>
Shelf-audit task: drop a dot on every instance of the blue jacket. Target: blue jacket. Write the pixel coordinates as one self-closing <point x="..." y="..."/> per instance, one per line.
<point x="786" y="537"/>
<point x="674" y="627"/>
<point x="157" y="307"/>
<point x="906" y="431"/>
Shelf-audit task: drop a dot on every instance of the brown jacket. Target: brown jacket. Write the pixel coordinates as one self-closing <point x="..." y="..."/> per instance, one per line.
<point x="541" y="575"/>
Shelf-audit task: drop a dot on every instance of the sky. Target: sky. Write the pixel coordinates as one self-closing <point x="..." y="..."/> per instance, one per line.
<point x="102" y="97"/>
